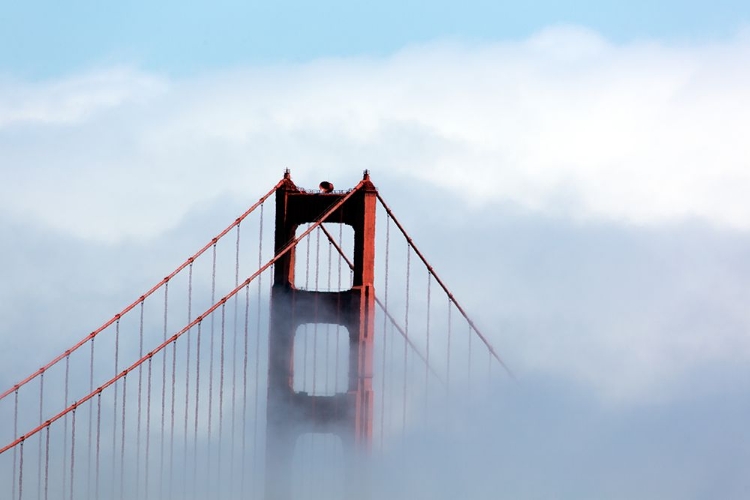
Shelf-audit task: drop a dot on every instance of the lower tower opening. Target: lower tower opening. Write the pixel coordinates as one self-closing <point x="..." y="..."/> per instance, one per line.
<point x="318" y="467"/>
<point x="321" y="359"/>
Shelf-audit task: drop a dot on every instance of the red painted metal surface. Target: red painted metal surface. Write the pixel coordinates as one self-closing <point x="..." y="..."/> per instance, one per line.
<point x="407" y="346"/>
<point x="349" y="415"/>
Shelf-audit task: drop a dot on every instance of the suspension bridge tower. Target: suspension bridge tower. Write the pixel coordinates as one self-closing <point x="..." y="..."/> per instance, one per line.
<point x="164" y="400"/>
<point x="291" y="413"/>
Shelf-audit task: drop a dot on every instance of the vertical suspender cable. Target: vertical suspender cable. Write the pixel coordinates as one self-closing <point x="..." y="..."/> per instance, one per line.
<point x="406" y="335"/>
<point x="114" y="408"/>
<point x="336" y="389"/>
<point x="211" y="372"/>
<point x="90" y="426"/>
<point x="338" y="314"/>
<point x="315" y="344"/>
<point x="98" y="435"/>
<point x="427" y="352"/>
<point x="307" y="288"/>
<point x="385" y="329"/>
<point x="72" y="454"/>
<point x="41" y="420"/>
<point x="234" y="361"/>
<point x="315" y="317"/>
<point x="197" y="404"/>
<point x="46" y="465"/>
<point x="257" y="345"/>
<point x="65" y="422"/>
<point x="122" y="437"/>
<point x="244" y="396"/>
<point x="187" y="383"/>
<point x="20" y="470"/>
<point x="172" y="418"/>
<point x="15" y="451"/>
<point x="139" y="406"/>
<point x="147" y="456"/>
<point x="221" y="390"/>
<point x="266" y="343"/>
<point x="308" y="442"/>
<point x="163" y="392"/>
<point x="328" y="331"/>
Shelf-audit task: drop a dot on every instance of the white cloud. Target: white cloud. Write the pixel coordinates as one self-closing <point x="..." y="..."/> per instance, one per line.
<point x="73" y="100"/>
<point x="563" y="122"/>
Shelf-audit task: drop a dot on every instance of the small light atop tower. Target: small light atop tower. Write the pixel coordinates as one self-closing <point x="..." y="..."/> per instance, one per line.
<point x="326" y="187"/>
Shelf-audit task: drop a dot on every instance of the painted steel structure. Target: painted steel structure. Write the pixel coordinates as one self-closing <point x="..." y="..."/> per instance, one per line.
<point x="290" y="413"/>
<point x="195" y="389"/>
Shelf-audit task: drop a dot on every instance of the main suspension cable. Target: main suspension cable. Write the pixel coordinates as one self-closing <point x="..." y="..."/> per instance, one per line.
<point x="143" y="297"/>
<point x="286" y="249"/>
<point x="440" y="282"/>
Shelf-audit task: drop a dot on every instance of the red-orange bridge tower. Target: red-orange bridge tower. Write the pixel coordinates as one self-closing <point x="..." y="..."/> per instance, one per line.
<point x="251" y="369"/>
<point x="291" y="413"/>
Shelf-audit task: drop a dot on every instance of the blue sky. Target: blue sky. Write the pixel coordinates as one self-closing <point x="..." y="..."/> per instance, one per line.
<point x="43" y="38"/>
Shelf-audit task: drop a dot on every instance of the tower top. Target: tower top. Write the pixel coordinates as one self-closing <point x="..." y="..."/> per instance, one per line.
<point x="326" y="186"/>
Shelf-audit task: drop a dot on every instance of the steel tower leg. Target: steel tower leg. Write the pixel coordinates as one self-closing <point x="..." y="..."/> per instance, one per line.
<point x="347" y="414"/>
